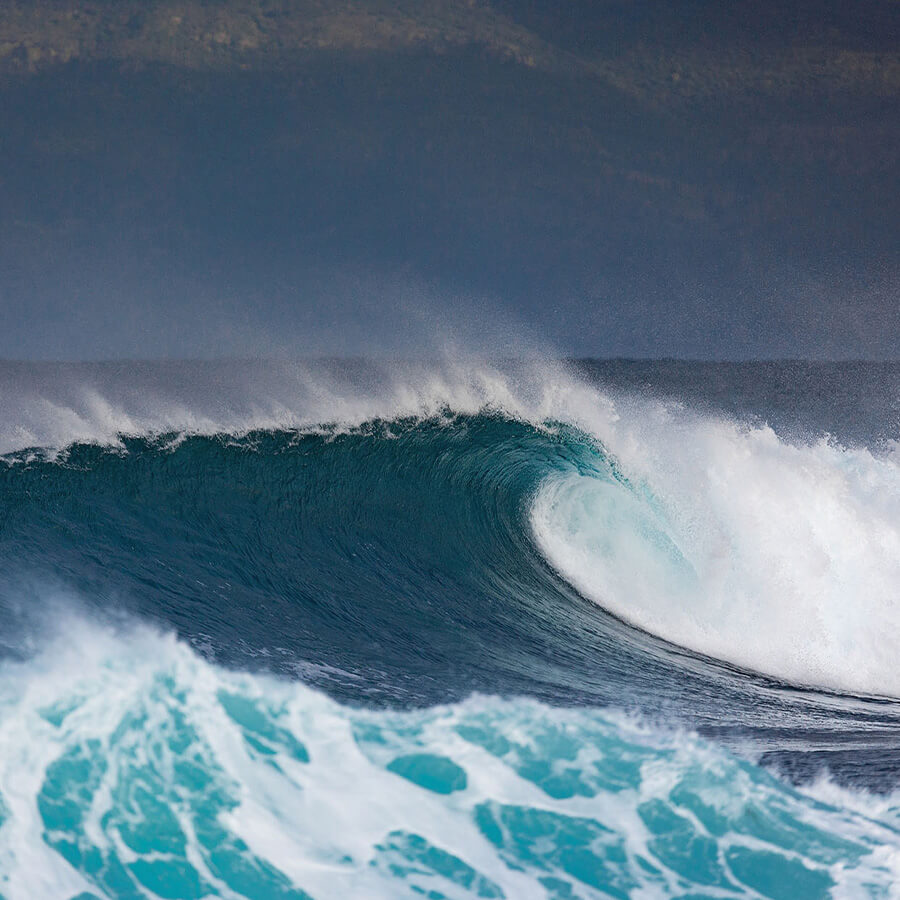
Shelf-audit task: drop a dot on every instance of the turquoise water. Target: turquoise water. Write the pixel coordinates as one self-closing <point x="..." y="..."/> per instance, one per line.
<point x="132" y="768"/>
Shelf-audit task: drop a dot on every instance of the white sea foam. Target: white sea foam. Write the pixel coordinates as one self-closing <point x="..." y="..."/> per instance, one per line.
<point x="726" y="539"/>
<point x="153" y="759"/>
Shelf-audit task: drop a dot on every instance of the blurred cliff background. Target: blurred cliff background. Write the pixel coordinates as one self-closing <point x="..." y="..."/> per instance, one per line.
<point x="618" y="177"/>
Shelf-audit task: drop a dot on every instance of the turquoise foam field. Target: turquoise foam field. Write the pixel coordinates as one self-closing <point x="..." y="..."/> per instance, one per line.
<point x="131" y="768"/>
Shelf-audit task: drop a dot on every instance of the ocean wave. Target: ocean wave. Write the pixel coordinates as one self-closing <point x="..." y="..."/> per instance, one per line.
<point x="413" y="537"/>
<point x="775" y="555"/>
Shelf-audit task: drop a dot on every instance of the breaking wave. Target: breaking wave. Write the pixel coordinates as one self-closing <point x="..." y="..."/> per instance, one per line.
<point x="449" y="632"/>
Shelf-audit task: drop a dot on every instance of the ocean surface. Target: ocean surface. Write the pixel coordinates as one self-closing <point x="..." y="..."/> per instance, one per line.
<point x="346" y="629"/>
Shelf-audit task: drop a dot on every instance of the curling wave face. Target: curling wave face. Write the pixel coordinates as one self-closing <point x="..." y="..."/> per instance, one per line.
<point x="393" y="503"/>
<point x="391" y="560"/>
<point x="724" y="539"/>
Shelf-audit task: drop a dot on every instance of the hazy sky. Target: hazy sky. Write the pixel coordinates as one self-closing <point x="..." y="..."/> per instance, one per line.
<point x="267" y="177"/>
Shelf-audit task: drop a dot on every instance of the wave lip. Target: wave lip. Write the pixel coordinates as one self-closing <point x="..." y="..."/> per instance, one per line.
<point x="51" y="406"/>
<point x="776" y="557"/>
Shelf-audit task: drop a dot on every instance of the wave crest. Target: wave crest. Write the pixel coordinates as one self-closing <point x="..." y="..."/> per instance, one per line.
<point x="345" y="498"/>
<point x="780" y="558"/>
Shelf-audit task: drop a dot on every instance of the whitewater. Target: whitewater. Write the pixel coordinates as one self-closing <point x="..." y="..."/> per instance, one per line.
<point x="448" y="629"/>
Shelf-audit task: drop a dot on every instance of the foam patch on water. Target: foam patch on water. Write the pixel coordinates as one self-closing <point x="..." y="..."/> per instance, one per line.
<point x="129" y="767"/>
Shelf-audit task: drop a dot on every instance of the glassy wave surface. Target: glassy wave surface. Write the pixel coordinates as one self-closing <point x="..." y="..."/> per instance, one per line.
<point x="448" y="631"/>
